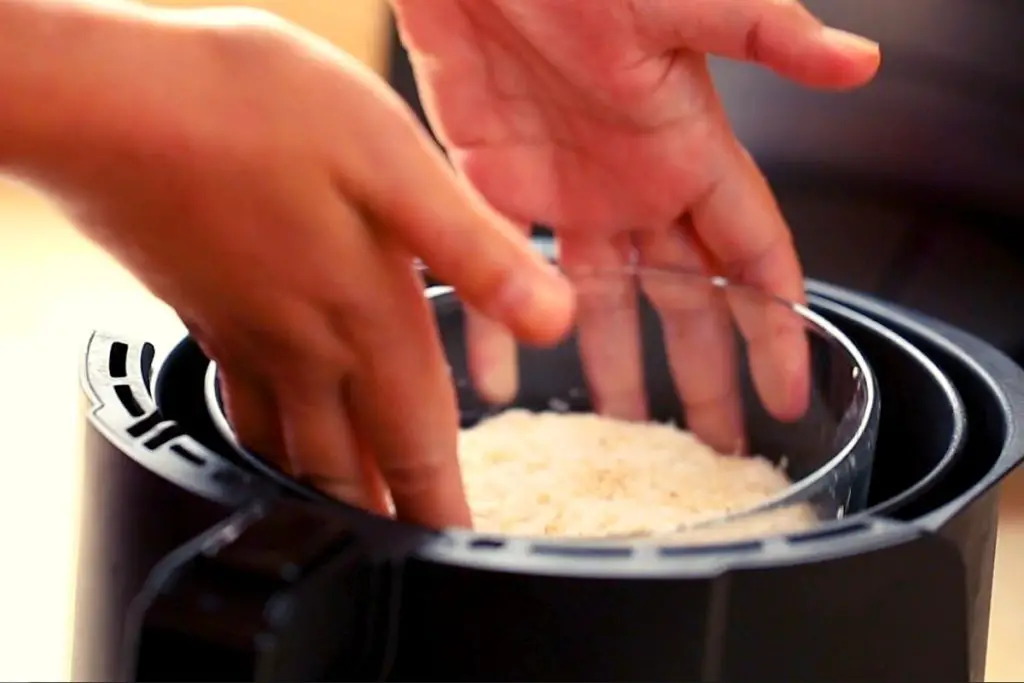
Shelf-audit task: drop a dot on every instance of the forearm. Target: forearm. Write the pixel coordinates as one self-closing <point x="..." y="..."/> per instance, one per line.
<point x="58" y="59"/>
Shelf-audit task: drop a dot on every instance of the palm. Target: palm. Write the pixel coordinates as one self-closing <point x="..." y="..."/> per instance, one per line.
<point x="578" y="128"/>
<point x="599" y="119"/>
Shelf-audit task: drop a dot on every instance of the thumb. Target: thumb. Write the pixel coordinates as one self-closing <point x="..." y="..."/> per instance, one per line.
<point x="781" y="35"/>
<point x="465" y="242"/>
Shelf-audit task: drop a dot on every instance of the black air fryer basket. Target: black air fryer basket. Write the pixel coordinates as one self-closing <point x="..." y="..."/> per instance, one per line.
<point x="196" y="564"/>
<point x="252" y="578"/>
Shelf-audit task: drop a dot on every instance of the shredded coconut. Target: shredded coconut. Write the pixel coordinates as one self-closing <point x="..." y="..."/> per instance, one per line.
<point x="584" y="475"/>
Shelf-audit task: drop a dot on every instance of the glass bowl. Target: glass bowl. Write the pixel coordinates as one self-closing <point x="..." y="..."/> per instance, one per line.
<point x="735" y="354"/>
<point x="780" y="410"/>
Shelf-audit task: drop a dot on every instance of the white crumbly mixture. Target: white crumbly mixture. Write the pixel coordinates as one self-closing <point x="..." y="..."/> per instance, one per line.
<point x="582" y="475"/>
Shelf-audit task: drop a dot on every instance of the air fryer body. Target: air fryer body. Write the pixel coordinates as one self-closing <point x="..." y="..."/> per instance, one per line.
<point x="794" y="623"/>
<point x="131" y="519"/>
<point x="132" y="515"/>
<point x="859" y="175"/>
<point x="878" y="599"/>
<point x="993" y="427"/>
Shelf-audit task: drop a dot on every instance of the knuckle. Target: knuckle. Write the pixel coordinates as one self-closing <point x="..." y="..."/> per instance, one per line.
<point x="278" y="344"/>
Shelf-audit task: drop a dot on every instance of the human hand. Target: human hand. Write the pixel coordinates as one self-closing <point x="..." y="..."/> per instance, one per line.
<point x="275" y="193"/>
<point x="600" y="119"/>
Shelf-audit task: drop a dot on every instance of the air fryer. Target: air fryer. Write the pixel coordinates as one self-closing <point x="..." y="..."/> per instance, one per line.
<point x="197" y="565"/>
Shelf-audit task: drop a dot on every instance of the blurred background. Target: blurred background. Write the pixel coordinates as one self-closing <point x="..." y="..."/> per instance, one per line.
<point x="909" y="190"/>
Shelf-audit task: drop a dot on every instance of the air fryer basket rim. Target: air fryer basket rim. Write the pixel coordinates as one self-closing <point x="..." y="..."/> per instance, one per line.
<point x="934" y="476"/>
<point x="1003" y="378"/>
<point x="863" y="531"/>
<point x="864" y="434"/>
<point x="959" y="427"/>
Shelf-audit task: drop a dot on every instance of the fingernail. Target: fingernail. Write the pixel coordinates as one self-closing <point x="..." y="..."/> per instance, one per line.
<point x="849" y="42"/>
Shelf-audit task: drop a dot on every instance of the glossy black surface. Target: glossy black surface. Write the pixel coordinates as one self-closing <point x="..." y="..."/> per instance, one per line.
<point x="439" y="608"/>
<point x="910" y="189"/>
<point x="964" y="507"/>
<point x="923" y="422"/>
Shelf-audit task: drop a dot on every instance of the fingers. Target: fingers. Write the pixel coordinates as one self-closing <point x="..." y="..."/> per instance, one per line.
<point x="778" y="351"/>
<point x="699" y="336"/>
<point x="374" y="485"/>
<point x="462" y="240"/>
<point x="779" y="34"/>
<point x="368" y="413"/>
<point x="403" y="403"/>
<point x="492" y="360"/>
<point x="492" y="355"/>
<point x="321" y="446"/>
<point x="740" y="223"/>
<point x="607" y="320"/>
<point x="252" y="412"/>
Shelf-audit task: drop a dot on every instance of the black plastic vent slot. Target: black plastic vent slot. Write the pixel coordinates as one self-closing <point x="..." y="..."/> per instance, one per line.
<point x="487" y="544"/>
<point x="127" y="399"/>
<point x="146" y="357"/>
<point x="722" y="548"/>
<point x="581" y="551"/>
<point x="145" y="425"/>
<point x="164" y="437"/>
<point x="117" y="362"/>
<point x="188" y="455"/>
<point x="834" y="532"/>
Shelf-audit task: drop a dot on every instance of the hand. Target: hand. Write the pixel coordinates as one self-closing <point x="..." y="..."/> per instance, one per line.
<point x="600" y="119"/>
<point x="275" y="193"/>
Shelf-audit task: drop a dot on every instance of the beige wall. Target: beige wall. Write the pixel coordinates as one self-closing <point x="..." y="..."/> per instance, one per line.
<point x="357" y="26"/>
